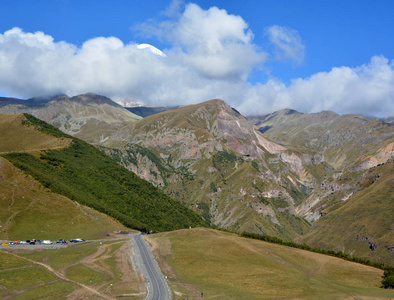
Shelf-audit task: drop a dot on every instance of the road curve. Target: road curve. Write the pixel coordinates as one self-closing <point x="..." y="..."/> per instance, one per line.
<point x="156" y="284"/>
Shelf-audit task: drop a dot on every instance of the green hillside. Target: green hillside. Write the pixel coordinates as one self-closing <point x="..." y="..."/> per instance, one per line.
<point x="84" y="174"/>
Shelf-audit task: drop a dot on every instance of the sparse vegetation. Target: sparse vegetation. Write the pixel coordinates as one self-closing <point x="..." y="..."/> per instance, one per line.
<point x="213" y="187"/>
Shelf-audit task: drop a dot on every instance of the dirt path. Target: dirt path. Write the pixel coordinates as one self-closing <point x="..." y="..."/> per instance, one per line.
<point x="89" y="261"/>
<point x="22" y="291"/>
<point x="12" y="200"/>
<point x="8" y="223"/>
<point x="35" y="150"/>
<point x="60" y="275"/>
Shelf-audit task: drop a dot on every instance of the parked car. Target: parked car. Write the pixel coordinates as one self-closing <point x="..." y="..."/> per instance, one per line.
<point x="61" y="241"/>
<point x="47" y="242"/>
<point x="77" y="240"/>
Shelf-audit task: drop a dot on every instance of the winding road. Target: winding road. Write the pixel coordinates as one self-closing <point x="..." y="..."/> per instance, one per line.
<point x="156" y="284"/>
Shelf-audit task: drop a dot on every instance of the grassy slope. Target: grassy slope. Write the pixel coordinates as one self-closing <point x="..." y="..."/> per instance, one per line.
<point x="17" y="138"/>
<point x="226" y="266"/>
<point x="28" y="210"/>
<point x="84" y="174"/>
<point x="104" y="266"/>
<point x="358" y="216"/>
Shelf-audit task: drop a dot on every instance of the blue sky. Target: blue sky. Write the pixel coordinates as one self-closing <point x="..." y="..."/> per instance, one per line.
<point x="258" y="56"/>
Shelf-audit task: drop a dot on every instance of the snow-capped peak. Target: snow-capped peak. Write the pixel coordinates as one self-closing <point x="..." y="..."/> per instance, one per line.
<point x="151" y="48"/>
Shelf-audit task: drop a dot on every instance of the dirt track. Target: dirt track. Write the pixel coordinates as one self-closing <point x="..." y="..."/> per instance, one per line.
<point x="124" y="283"/>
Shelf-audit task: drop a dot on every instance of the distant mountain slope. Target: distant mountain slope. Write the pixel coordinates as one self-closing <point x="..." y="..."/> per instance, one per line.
<point x="90" y="117"/>
<point x="84" y="174"/>
<point x="363" y="223"/>
<point x="144" y="111"/>
<point x="209" y="157"/>
<point x="338" y="137"/>
<point x="353" y="206"/>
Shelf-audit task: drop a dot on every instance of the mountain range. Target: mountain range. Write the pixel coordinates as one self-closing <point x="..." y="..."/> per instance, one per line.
<point x="321" y="178"/>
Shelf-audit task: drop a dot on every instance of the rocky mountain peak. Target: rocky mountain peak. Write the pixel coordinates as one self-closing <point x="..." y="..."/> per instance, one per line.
<point x="91" y="98"/>
<point x="195" y="131"/>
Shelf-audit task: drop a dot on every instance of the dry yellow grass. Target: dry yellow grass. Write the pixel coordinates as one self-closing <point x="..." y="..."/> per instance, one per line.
<point x="28" y="138"/>
<point x="225" y="266"/>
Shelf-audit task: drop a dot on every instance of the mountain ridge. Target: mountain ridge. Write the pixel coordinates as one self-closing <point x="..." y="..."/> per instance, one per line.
<point x="89" y="116"/>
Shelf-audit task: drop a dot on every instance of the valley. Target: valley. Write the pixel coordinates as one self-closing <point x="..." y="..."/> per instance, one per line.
<point x="197" y="166"/>
<point x="163" y="150"/>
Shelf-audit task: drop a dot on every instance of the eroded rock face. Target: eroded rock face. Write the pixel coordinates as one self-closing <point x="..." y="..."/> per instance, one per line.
<point x="326" y="188"/>
<point x="384" y="155"/>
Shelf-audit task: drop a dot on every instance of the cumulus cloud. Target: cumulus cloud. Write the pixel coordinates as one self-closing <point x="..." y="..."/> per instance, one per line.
<point x="366" y="90"/>
<point x="212" y="42"/>
<point x="287" y="43"/>
<point x="212" y="56"/>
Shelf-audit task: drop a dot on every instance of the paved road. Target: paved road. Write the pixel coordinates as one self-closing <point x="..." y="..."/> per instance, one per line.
<point x="157" y="285"/>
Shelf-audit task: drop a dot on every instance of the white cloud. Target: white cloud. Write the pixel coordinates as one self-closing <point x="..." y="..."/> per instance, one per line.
<point x="287" y="43"/>
<point x="174" y="9"/>
<point x="366" y="89"/>
<point x="212" y="42"/>
<point x="212" y="56"/>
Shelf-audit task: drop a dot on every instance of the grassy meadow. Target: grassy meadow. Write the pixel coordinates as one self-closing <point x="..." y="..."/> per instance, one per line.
<point x="93" y="270"/>
<point x="17" y="138"/>
<point x="225" y="266"/>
